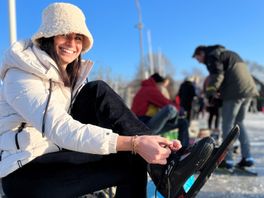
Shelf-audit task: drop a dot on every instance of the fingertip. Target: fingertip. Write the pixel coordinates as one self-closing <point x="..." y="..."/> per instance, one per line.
<point x="164" y="162"/>
<point x="177" y="142"/>
<point x="165" y="140"/>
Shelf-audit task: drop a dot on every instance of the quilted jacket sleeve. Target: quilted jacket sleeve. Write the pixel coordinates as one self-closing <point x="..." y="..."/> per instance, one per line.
<point x="28" y="94"/>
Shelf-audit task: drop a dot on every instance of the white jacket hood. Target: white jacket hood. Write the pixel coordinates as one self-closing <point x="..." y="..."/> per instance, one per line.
<point x="26" y="56"/>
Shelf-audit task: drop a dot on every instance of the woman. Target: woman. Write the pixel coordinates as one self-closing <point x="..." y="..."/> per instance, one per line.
<point x="61" y="138"/>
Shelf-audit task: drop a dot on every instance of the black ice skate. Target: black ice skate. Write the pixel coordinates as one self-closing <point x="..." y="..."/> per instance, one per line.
<point x="169" y="179"/>
<point x="212" y="163"/>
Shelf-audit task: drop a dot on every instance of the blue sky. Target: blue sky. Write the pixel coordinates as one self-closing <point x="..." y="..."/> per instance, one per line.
<point x="177" y="27"/>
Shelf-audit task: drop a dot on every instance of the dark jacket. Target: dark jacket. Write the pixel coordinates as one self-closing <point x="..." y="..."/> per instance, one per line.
<point x="148" y="94"/>
<point x="228" y="73"/>
<point x="186" y="94"/>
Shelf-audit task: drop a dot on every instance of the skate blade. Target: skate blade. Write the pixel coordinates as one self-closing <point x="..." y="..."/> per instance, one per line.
<point x="227" y="171"/>
<point x="247" y="171"/>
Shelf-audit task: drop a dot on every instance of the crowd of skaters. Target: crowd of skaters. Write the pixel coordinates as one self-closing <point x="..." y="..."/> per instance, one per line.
<point x="226" y="94"/>
<point x="162" y="112"/>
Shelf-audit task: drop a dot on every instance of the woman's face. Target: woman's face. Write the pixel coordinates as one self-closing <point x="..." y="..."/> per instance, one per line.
<point x="68" y="47"/>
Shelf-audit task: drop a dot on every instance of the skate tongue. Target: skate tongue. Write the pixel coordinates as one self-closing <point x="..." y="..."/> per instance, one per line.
<point x="172" y="162"/>
<point x="184" y="156"/>
<point x="183" y="153"/>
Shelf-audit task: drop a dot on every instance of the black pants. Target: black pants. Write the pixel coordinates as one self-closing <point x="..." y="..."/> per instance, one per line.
<point x="213" y="113"/>
<point x="72" y="174"/>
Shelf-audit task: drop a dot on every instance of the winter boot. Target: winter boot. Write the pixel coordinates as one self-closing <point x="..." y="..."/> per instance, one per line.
<point x="246" y="162"/>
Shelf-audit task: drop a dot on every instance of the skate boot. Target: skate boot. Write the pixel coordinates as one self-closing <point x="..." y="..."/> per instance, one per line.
<point x="227" y="166"/>
<point x="212" y="163"/>
<point x="246" y="167"/>
<point x="246" y="162"/>
<point x="182" y="164"/>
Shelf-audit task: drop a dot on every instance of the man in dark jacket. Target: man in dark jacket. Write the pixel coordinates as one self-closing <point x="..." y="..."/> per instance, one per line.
<point x="166" y="118"/>
<point x="230" y="77"/>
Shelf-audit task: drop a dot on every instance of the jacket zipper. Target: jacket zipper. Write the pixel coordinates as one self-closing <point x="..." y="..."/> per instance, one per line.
<point x="73" y="97"/>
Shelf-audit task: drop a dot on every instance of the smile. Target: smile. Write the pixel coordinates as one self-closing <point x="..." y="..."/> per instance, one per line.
<point x="68" y="51"/>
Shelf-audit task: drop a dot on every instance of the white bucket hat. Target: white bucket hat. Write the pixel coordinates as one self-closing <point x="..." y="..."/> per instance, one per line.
<point x="63" y="18"/>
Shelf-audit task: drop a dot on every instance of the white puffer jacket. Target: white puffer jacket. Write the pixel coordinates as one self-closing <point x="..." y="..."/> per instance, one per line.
<point x="25" y="72"/>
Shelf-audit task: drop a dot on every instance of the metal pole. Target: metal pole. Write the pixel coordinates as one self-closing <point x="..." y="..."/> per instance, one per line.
<point x="12" y="21"/>
<point x="151" y="62"/>
<point x="160" y="62"/>
<point x="140" y="27"/>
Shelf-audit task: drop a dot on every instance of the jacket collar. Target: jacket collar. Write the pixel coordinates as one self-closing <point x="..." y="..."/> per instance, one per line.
<point x="26" y="56"/>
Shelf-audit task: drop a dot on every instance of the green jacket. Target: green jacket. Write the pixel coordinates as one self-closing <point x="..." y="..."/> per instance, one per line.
<point x="229" y="75"/>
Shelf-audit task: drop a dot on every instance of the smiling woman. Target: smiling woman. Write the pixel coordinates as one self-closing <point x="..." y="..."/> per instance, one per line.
<point x="63" y="137"/>
<point x="65" y="50"/>
<point x="68" y="47"/>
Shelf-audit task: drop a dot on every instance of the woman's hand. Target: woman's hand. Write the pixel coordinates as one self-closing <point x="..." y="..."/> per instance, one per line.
<point x="176" y="145"/>
<point x="155" y="149"/>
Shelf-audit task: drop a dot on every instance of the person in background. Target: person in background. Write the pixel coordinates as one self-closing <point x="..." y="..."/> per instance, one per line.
<point x="201" y="105"/>
<point x="230" y="77"/>
<point x="60" y="137"/>
<point x="186" y="94"/>
<point x="166" y="116"/>
<point x="163" y="86"/>
<point x="213" y="107"/>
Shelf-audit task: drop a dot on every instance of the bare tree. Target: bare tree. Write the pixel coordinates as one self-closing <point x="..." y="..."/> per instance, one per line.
<point x="197" y="73"/>
<point x="255" y="67"/>
<point x="257" y="70"/>
<point x="117" y="83"/>
<point x="161" y="64"/>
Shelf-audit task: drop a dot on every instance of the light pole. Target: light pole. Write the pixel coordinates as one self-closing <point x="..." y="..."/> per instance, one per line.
<point x="139" y="26"/>
<point x="12" y="21"/>
<point x="151" y="63"/>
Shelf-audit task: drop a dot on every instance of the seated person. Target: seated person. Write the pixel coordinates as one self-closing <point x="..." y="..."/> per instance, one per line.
<point x="166" y="118"/>
<point x="60" y="137"/>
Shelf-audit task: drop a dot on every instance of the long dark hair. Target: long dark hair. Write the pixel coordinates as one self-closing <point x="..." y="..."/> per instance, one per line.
<point x="72" y="71"/>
